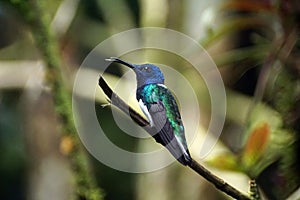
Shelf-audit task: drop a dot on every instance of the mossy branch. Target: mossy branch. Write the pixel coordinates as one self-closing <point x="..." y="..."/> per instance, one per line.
<point x="35" y="14"/>
<point x="194" y="165"/>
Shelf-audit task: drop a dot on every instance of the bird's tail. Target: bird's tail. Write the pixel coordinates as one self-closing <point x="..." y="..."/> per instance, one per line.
<point x="181" y="154"/>
<point x="183" y="157"/>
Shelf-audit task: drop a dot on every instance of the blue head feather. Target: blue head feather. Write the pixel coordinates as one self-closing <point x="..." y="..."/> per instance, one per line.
<point x="148" y="74"/>
<point x="145" y="73"/>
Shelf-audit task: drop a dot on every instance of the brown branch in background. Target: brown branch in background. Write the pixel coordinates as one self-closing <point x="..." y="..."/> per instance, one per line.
<point x="282" y="49"/>
<point x="194" y="165"/>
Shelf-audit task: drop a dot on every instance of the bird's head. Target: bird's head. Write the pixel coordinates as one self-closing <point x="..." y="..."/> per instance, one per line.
<point x="145" y="73"/>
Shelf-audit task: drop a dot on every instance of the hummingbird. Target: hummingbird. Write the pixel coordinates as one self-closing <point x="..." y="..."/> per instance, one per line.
<point x="160" y="107"/>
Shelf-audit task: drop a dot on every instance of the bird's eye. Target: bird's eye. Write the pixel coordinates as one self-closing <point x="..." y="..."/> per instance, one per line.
<point x="147" y="69"/>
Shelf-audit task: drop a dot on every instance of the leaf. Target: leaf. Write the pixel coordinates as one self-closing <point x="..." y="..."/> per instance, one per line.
<point x="256" y="144"/>
<point x="224" y="161"/>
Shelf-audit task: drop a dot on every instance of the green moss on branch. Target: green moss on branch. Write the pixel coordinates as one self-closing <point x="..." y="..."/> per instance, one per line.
<point x="35" y="14"/>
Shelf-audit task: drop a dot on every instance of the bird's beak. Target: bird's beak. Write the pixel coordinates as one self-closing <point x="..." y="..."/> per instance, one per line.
<point x="117" y="60"/>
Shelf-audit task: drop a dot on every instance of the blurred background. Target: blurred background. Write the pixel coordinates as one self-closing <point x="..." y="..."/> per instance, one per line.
<point x="255" y="44"/>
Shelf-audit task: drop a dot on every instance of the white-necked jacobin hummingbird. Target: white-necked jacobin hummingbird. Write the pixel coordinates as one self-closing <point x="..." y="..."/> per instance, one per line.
<point x="160" y="107"/>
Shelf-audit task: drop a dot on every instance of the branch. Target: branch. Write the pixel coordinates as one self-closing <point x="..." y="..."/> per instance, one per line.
<point x="119" y="103"/>
<point x="36" y="14"/>
<point x="194" y="165"/>
<point x="217" y="182"/>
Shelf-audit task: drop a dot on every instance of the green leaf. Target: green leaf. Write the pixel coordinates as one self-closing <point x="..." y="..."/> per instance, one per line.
<point x="224" y="161"/>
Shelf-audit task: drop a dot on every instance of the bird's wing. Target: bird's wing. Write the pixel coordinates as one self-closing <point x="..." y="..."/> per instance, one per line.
<point x="162" y="125"/>
<point x="164" y="132"/>
<point x="155" y="113"/>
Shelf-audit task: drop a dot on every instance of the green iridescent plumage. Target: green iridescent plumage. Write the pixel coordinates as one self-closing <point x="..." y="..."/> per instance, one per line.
<point x="153" y="93"/>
